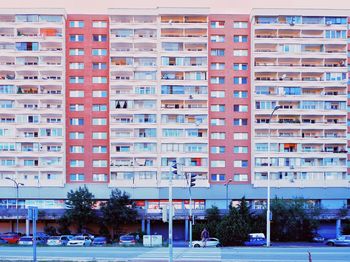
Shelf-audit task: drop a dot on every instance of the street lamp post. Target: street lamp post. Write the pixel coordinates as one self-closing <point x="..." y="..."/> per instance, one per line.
<point x="17" y="186"/>
<point x="228" y="182"/>
<point x="268" y="212"/>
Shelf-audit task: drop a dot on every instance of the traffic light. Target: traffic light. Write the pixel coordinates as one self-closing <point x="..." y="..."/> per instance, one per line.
<point x="173" y="169"/>
<point x="193" y="180"/>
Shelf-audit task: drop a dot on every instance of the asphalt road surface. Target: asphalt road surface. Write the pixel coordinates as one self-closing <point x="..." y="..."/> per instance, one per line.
<point x="236" y="254"/>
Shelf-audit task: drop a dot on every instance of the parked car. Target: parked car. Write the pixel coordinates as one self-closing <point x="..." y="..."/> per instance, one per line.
<point x="59" y="240"/>
<point x="11" y="237"/>
<point x="3" y="241"/>
<point x="79" y="241"/>
<point x="99" y="241"/>
<point x="127" y="240"/>
<point x="343" y="240"/>
<point x="28" y="241"/>
<point x="211" y="242"/>
<point x="87" y="235"/>
<point x="43" y="235"/>
<point x="318" y="238"/>
<point x="256" y="239"/>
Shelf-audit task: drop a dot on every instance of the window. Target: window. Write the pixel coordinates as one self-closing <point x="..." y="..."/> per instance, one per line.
<point x="218" y="177"/>
<point x="217" y="122"/>
<point x="240" y="39"/>
<point x="76" y="51"/>
<point x="76" y="93"/>
<point x="217" y="149"/>
<point x="99" y="24"/>
<point x="240" y="108"/>
<point x="76" y="121"/>
<point x="76" y="107"/>
<point x="77" y="177"/>
<point x="240" y="122"/>
<point x="99" y="107"/>
<point x="240" y="177"/>
<point x="99" y="52"/>
<point x="99" y="38"/>
<point x="76" y="135"/>
<point x="74" y="24"/>
<point x="218" y="135"/>
<point x="240" y="163"/>
<point x="217" y="52"/>
<point x="240" y="94"/>
<point x="217" y="38"/>
<point x="76" y="149"/>
<point x="99" y="93"/>
<point x="217" y="66"/>
<point x="99" y="163"/>
<point x="217" y="108"/>
<point x="240" y="24"/>
<point x="76" y="38"/>
<point x="99" y="80"/>
<point x="99" y="149"/>
<point x="240" y="80"/>
<point x="217" y="80"/>
<point x="76" y="80"/>
<point x="217" y="94"/>
<point x="240" y="149"/>
<point x="76" y="65"/>
<point x="99" y="121"/>
<point x="76" y="163"/>
<point x="217" y="24"/>
<point x="240" y="136"/>
<point x="217" y="163"/>
<point x="240" y="52"/>
<point x="335" y="34"/>
<point x="99" y="135"/>
<point x="240" y="67"/>
<point x="99" y="177"/>
<point x="99" y="66"/>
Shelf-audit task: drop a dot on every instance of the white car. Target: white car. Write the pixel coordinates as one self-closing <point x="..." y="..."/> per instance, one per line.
<point x="59" y="240"/>
<point x="79" y="241"/>
<point x="211" y="242"/>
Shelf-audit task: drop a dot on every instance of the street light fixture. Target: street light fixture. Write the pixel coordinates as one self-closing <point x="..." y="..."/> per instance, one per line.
<point x="228" y="182"/>
<point x="17" y="186"/>
<point x="268" y="212"/>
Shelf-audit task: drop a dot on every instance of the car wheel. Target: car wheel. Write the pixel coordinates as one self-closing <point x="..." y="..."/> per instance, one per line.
<point x="197" y="245"/>
<point x="218" y="245"/>
<point x="331" y="244"/>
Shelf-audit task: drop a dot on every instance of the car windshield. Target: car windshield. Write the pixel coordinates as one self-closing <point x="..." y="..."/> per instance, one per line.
<point x="78" y="238"/>
<point x="100" y="239"/>
<point x="127" y="238"/>
<point x="54" y="238"/>
<point x="26" y="239"/>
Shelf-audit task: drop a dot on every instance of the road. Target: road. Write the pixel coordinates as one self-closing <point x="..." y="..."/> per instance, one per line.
<point x="236" y="254"/>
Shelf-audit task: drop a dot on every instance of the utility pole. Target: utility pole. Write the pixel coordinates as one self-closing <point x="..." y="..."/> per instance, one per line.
<point x="17" y="195"/>
<point x="173" y="171"/>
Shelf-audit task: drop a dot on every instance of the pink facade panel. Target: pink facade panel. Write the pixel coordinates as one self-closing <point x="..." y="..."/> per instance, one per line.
<point x="229" y="74"/>
<point x="87" y="58"/>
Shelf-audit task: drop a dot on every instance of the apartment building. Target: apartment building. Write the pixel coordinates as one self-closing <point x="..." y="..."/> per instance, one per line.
<point x="158" y="96"/>
<point x="87" y="94"/>
<point x="299" y="63"/>
<point x="229" y="98"/>
<point x="111" y="100"/>
<point x="32" y="101"/>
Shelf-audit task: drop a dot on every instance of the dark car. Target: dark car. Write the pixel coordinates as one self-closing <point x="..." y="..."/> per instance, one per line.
<point x="3" y="241"/>
<point x="11" y="237"/>
<point x="318" y="238"/>
<point x="127" y="240"/>
<point x="99" y="241"/>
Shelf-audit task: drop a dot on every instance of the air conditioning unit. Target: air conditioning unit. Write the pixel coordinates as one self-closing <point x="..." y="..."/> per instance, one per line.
<point x="292" y="23"/>
<point x="328" y="23"/>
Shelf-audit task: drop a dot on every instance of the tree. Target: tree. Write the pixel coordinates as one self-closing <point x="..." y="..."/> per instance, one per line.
<point x="118" y="210"/>
<point x="80" y="204"/>
<point x="293" y="219"/>
<point x="212" y="219"/>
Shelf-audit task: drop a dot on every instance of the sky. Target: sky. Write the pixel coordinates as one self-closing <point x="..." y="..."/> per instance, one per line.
<point x="217" y="6"/>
